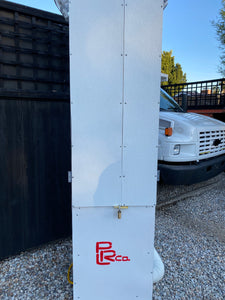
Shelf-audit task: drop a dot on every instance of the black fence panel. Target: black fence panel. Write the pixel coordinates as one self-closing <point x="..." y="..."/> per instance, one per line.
<point x="34" y="53"/>
<point x="35" y="196"/>
<point x="35" y="151"/>
<point x="208" y="94"/>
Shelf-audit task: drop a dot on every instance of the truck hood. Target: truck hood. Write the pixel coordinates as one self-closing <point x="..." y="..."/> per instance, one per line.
<point x="191" y="119"/>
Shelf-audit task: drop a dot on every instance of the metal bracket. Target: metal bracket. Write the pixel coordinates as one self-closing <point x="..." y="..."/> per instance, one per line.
<point x="70" y="176"/>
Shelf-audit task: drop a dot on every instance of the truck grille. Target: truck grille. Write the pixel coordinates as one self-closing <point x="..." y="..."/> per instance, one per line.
<point x="211" y="142"/>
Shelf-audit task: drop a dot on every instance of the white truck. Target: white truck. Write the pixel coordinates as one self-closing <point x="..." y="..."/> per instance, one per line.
<point x="191" y="146"/>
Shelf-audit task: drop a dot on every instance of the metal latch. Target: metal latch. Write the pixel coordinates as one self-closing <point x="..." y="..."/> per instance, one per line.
<point x="119" y="207"/>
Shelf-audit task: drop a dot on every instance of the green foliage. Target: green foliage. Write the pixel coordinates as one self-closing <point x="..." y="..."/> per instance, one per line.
<point x="174" y="71"/>
<point x="220" y="31"/>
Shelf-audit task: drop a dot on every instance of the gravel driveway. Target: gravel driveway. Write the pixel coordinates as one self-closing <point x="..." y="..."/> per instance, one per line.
<point x="190" y="237"/>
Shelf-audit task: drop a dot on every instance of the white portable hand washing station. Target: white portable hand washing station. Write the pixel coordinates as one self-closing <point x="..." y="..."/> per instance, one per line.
<point x="115" y="49"/>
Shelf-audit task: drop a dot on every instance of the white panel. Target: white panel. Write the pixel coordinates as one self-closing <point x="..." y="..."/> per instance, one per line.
<point x="142" y="94"/>
<point x="96" y="33"/>
<point x="131" y="237"/>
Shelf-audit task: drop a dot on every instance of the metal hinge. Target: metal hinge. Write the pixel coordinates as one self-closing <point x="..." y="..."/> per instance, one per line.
<point x="158" y="175"/>
<point x="70" y="176"/>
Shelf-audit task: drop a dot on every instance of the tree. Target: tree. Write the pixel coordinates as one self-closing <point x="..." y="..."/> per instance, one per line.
<point x="220" y="31"/>
<point x="174" y="71"/>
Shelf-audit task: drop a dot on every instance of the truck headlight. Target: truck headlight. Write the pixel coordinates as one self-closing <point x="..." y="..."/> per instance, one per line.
<point x="176" y="149"/>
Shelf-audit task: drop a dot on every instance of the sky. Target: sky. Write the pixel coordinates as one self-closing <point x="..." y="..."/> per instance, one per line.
<point x="187" y="30"/>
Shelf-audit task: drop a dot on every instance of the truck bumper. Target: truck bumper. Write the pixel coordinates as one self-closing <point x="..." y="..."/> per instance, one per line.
<point x="193" y="173"/>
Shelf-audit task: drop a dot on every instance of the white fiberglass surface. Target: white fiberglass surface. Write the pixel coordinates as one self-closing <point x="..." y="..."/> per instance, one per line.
<point x="115" y="80"/>
<point x="142" y="94"/>
<point x="117" y="253"/>
<point x="63" y="6"/>
<point x="115" y="51"/>
<point x="96" y="95"/>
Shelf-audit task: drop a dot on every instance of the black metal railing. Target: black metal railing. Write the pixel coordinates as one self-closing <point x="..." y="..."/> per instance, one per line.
<point x="208" y="94"/>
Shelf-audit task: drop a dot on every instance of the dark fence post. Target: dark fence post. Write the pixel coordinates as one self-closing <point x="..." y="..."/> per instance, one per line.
<point x="184" y="102"/>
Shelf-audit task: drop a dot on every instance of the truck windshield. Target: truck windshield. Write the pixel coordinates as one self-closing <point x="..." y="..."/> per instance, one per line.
<point x="167" y="103"/>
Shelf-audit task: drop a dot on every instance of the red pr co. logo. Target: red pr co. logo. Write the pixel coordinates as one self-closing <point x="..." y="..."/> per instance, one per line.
<point x="105" y="254"/>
